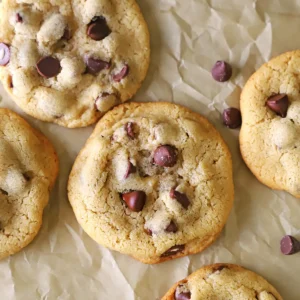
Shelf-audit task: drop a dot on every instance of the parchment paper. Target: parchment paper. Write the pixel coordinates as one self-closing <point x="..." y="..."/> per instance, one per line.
<point x="188" y="36"/>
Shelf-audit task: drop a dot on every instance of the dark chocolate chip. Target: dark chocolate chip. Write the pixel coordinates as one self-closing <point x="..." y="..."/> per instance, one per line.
<point x="172" y="227"/>
<point x="4" y="54"/>
<point x="67" y="34"/>
<point x="173" y="250"/>
<point x="129" y="127"/>
<point x="232" y="117"/>
<point x="130" y="170"/>
<point x="180" y="197"/>
<point x="289" y="245"/>
<point x="48" y="67"/>
<point x="183" y="296"/>
<point x="3" y="192"/>
<point x="94" y="65"/>
<point x="279" y="104"/>
<point x="135" y="200"/>
<point x="98" y="29"/>
<point x="19" y="18"/>
<point x="165" y="156"/>
<point x="122" y="74"/>
<point x="221" y="71"/>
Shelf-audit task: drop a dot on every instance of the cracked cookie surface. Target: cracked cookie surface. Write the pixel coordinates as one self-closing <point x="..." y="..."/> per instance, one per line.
<point x="70" y="61"/>
<point x="28" y="170"/>
<point x="223" y="282"/>
<point x="153" y="181"/>
<point x="270" y="109"/>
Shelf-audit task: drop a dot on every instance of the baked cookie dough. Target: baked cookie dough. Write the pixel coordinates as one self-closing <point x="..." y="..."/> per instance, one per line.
<point x="270" y="106"/>
<point x="223" y="282"/>
<point x="70" y="61"/>
<point x="153" y="181"/>
<point x="28" y="169"/>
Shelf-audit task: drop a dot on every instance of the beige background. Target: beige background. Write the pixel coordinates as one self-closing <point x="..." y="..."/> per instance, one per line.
<point x="188" y="36"/>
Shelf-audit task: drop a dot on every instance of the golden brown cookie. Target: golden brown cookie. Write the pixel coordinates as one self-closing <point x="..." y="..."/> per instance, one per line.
<point x="153" y="181"/>
<point x="223" y="282"/>
<point x="270" y="109"/>
<point x="28" y="169"/>
<point x="70" y="61"/>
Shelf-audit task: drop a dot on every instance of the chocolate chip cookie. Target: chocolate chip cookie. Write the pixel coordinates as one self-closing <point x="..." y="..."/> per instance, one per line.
<point x="154" y="181"/>
<point x="223" y="282"/>
<point x="70" y="61"/>
<point x="270" y="106"/>
<point x="28" y="170"/>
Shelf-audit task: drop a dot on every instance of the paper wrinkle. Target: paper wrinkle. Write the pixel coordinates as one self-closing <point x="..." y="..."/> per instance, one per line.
<point x="187" y="38"/>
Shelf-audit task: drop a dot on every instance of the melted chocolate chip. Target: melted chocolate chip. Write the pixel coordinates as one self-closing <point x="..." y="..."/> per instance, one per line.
<point x="135" y="200"/>
<point x="165" y="156"/>
<point x="122" y="74"/>
<point x="172" y="227"/>
<point x="221" y="71"/>
<point x="279" y="104"/>
<point x="130" y="170"/>
<point x="180" y="197"/>
<point x="48" y="67"/>
<point x="98" y="29"/>
<point x="232" y="117"/>
<point x="183" y="296"/>
<point x="19" y="18"/>
<point x="173" y="250"/>
<point x="4" y="54"/>
<point x="289" y="245"/>
<point x="94" y="65"/>
<point x="129" y="127"/>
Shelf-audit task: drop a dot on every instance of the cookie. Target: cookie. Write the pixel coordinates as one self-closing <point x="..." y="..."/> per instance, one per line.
<point x="153" y="181"/>
<point x="270" y="108"/>
<point x="28" y="170"/>
<point x="70" y="61"/>
<point x="223" y="281"/>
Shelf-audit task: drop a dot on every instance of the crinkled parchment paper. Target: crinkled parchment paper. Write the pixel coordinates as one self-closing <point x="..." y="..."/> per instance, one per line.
<point x="188" y="36"/>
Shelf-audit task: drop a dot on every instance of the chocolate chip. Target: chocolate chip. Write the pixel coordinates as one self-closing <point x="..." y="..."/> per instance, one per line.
<point x="172" y="227"/>
<point x="232" y="117"/>
<point x="165" y="156"/>
<point x="130" y="170"/>
<point x="48" y="67"/>
<point x="94" y="65"/>
<point x="173" y="250"/>
<point x="180" y="197"/>
<point x="98" y="29"/>
<point x="122" y="74"/>
<point x="221" y="71"/>
<point x="4" y="54"/>
<point x="279" y="104"/>
<point x="129" y="127"/>
<point x="67" y="34"/>
<point x="19" y="18"/>
<point x="183" y="296"/>
<point x="135" y="200"/>
<point x="289" y="245"/>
